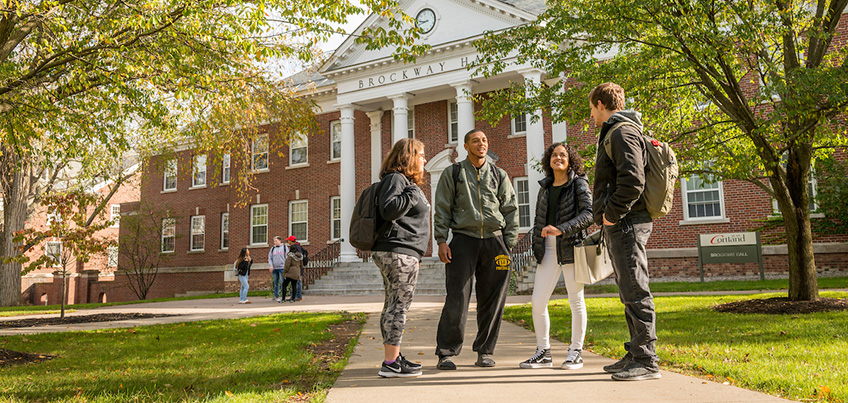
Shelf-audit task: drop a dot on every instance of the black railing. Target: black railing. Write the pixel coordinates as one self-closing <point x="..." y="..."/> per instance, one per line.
<point x="521" y="253"/>
<point x="321" y="263"/>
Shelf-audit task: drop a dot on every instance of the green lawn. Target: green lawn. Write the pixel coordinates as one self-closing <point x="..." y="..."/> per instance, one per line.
<point x="800" y="357"/>
<point x="261" y="359"/>
<point x="725" y="285"/>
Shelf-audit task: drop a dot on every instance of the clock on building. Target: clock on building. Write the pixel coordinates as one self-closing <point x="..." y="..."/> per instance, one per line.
<point x="426" y="20"/>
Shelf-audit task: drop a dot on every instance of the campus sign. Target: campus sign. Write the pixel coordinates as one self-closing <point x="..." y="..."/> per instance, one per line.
<point x="739" y="247"/>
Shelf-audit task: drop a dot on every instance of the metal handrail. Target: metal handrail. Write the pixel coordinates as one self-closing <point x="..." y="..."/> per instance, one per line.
<point x="321" y="262"/>
<point x="522" y="252"/>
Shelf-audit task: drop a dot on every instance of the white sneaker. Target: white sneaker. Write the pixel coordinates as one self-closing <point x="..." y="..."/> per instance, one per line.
<point x="573" y="360"/>
<point x="242" y="302"/>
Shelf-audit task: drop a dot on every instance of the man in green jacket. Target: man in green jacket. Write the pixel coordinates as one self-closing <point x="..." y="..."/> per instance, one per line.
<point x="478" y="205"/>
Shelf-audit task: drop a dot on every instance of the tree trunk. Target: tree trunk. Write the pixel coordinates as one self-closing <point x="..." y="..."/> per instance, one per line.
<point x="15" y="193"/>
<point x="803" y="285"/>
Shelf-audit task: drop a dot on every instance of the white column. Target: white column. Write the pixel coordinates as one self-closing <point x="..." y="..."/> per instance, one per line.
<point x="559" y="131"/>
<point x="465" y="115"/>
<point x="400" y="110"/>
<point x="434" y="181"/>
<point x="535" y="140"/>
<point x="376" y="145"/>
<point x="347" y="183"/>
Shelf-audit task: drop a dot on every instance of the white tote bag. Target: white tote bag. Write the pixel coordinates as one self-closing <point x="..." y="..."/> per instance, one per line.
<point x="592" y="262"/>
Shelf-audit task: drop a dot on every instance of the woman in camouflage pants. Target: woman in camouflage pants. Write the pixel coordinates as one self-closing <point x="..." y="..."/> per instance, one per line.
<point x="401" y="242"/>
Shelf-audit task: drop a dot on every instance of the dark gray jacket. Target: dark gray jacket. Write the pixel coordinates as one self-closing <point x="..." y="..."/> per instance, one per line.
<point x="574" y="215"/>
<point x="620" y="180"/>
<point x="403" y="202"/>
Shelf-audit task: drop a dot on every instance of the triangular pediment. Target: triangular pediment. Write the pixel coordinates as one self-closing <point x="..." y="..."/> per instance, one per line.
<point x="455" y="20"/>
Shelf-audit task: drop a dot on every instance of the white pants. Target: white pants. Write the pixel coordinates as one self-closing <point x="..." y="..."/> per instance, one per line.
<point x="547" y="275"/>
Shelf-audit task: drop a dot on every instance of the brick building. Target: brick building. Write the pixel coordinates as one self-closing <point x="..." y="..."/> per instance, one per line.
<point x="368" y="101"/>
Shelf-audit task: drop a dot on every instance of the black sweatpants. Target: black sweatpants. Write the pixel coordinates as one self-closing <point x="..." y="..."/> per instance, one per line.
<point x="472" y="257"/>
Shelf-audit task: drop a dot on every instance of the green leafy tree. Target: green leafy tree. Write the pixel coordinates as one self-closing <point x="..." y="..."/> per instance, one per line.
<point x="757" y="87"/>
<point x="73" y="229"/>
<point x="84" y="81"/>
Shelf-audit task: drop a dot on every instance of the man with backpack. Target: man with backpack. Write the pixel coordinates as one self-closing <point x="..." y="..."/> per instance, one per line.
<point x="476" y="202"/>
<point x="620" y="207"/>
<point x="292" y="240"/>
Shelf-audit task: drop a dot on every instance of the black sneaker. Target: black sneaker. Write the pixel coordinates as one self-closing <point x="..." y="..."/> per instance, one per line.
<point x="573" y="360"/>
<point x="619" y="365"/>
<point x="484" y="360"/>
<point x="408" y="363"/>
<point x="542" y="359"/>
<point x="636" y="372"/>
<point x="398" y="369"/>
<point x="445" y="364"/>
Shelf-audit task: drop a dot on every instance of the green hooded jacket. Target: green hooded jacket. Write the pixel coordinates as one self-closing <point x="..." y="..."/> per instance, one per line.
<point x="476" y="206"/>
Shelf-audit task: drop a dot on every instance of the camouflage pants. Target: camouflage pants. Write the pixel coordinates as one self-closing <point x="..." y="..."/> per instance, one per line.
<point x="400" y="274"/>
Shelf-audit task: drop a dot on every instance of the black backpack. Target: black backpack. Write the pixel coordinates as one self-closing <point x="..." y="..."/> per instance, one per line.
<point x="365" y="221"/>
<point x="305" y="255"/>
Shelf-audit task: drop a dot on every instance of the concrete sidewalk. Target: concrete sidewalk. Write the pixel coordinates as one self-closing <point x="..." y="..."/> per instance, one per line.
<point x="506" y="382"/>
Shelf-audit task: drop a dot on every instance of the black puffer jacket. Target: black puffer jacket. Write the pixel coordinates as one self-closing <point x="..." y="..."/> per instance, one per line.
<point x="574" y="215"/>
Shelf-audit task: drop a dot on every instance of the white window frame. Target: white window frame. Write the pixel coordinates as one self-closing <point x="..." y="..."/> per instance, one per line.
<point x="53" y="249"/>
<point x="225" y="231"/>
<point x="115" y="215"/>
<point x="170" y="171"/>
<point x="112" y="256"/>
<point x="225" y="169"/>
<point x="453" y="121"/>
<point x="530" y="214"/>
<point x="335" y="219"/>
<point x="254" y="224"/>
<point x="410" y="122"/>
<point x="513" y="125"/>
<point x="198" y="229"/>
<point x="305" y="221"/>
<point x="257" y="153"/>
<point x="335" y="137"/>
<point x="297" y="142"/>
<point x="169" y="231"/>
<point x="685" y="201"/>
<point x="198" y="171"/>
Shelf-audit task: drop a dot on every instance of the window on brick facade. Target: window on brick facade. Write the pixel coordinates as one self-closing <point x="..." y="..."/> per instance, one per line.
<point x="225" y="230"/>
<point x="225" y="169"/>
<point x="335" y="140"/>
<point x="812" y="189"/>
<point x="170" y="175"/>
<point x="53" y="250"/>
<point x="299" y="150"/>
<point x="259" y="224"/>
<point x="198" y="171"/>
<point x="298" y="217"/>
<point x="522" y="195"/>
<point x="519" y="124"/>
<point x="702" y="198"/>
<point x="410" y="123"/>
<point x="198" y="232"/>
<point x="169" y="235"/>
<point x="336" y="217"/>
<point x="113" y="256"/>
<point x="259" y="153"/>
<point x="453" y="123"/>
<point x="115" y="215"/>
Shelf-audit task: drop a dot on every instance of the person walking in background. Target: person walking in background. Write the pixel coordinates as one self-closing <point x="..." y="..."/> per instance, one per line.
<point x="476" y="202"/>
<point x="291" y="271"/>
<point x="563" y="212"/>
<point x="402" y="240"/>
<point x="277" y="263"/>
<point x="242" y="267"/>
<point x="619" y="206"/>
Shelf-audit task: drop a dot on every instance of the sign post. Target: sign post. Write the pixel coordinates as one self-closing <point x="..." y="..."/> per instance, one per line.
<point x="738" y="247"/>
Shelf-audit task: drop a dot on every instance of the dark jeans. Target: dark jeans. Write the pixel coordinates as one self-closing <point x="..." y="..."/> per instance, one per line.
<point x="626" y="244"/>
<point x="472" y="258"/>
<point x="299" y="289"/>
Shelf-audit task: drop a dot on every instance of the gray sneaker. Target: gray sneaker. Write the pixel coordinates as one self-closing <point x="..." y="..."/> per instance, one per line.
<point x="484" y="360"/>
<point x="636" y="372"/>
<point x="445" y="364"/>
<point x="573" y="360"/>
<point x="619" y="365"/>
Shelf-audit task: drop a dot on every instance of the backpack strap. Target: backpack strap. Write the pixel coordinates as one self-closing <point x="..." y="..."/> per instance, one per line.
<point x="618" y="125"/>
<point x="496" y="172"/>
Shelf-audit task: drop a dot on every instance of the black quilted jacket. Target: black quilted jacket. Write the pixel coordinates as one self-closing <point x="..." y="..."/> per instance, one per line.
<point x="573" y="217"/>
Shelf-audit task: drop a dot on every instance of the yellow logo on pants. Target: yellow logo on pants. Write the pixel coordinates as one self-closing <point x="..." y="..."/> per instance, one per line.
<point x="502" y="262"/>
